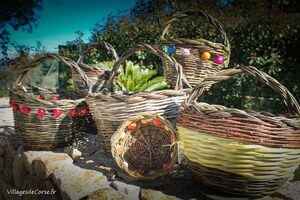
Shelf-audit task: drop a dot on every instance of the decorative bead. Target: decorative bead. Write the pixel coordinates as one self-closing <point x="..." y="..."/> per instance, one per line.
<point x="205" y="56"/>
<point x="41" y="112"/>
<point x="15" y="106"/>
<point x="57" y="113"/>
<point x="132" y="126"/>
<point x="164" y="166"/>
<point x="218" y="60"/>
<point x="144" y="121"/>
<point x="11" y="103"/>
<point x="84" y="111"/>
<point x="171" y="49"/>
<point x="42" y="97"/>
<point x="186" y="52"/>
<point x="73" y="112"/>
<point x="172" y="139"/>
<point x="156" y="122"/>
<point x="139" y="171"/>
<point x="167" y="128"/>
<point x="54" y="98"/>
<point x="25" y="110"/>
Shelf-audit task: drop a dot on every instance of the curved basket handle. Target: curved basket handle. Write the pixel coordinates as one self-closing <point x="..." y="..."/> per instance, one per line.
<point x="188" y="13"/>
<point x="106" y="45"/>
<point x="261" y="76"/>
<point x="50" y="56"/>
<point x="154" y="50"/>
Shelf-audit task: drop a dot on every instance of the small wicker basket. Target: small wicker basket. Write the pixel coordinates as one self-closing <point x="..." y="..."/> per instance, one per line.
<point x="199" y="58"/>
<point x="145" y="146"/>
<point x="47" y="118"/>
<point x="110" y="109"/>
<point x="96" y="75"/>
<point x="242" y="153"/>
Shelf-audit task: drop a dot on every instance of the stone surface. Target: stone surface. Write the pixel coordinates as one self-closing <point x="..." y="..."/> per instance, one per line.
<point x="75" y="154"/>
<point x="2" y="151"/>
<point x="8" y="165"/>
<point x="131" y="190"/>
<point x="291" y="190"/>
<point x="48" y="163"/>
<point x="75" y="182"/>
<point x="1" y="163"/>
<point x="148" y="194"/>
<point x="43" y="163"/>
<point x="9" y="192"/>
<point x="2" y="142"/>
<point x="19" y="169"/>
<point x="107" y="194"/>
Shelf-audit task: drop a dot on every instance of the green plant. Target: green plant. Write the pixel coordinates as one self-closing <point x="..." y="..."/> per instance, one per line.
<point x="6" y="79"/>
<point x="136" y="78"/>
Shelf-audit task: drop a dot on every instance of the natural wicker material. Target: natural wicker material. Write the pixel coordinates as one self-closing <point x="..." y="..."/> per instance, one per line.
<point x="111" y="109"/>
<point x="47" y="131"/>
<point x="145" y="146"/>
<point x="96" y="76"/>
<point x="194" y="67"/>
<point x="240" y="152"/>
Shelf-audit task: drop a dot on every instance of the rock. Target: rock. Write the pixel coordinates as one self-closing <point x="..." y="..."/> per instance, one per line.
<point x="1" y="163"/>
<point x="36" y="184"/>
<point x="107" y="194"/>
<point x="75" y="154"/>
<point x="19" y="169"/>
<point x="2" y="142"/>
<point x="148" y="194"/>
<point x="2" y="151"/>
<point x="8" y="165"/>
<point x="131" y="190"/>
<point x="10" y="192"/>
<point x="290" y="190"/>
<point x="75" y="182"/>
<point x="43" y="164"/>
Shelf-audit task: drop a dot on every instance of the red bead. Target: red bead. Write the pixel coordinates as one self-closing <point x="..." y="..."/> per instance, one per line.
<point x="172" y="139"/>
<point x="15" y="106"/>
<point x="54" y="98"/>
<point x="132" y="126"/>
<point x="25" y="110"/>
<point x="84" y="111"/>
<point x="41" y="112"/>
<point x="156" y="122"/>
<point x="11" y="103"/>
<point x="42" y="97"/>
<point x="73" y="112"/>
<point x="164" y="166"/>
<point x="57" y="113"/>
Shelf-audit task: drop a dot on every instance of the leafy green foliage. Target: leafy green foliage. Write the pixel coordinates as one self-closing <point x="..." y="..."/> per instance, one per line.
<point x="6" y="79"/>
<point x="136" y="78"/>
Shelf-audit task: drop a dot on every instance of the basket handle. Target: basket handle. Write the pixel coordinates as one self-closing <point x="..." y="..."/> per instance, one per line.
<point x="106" y="45"/>
<point x="188" y="13"/>
<point x="49" y="56"/>
<point x="261" y="76"/>
<point x="154" y="50"/>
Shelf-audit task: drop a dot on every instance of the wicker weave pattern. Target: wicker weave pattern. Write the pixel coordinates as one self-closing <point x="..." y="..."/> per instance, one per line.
<point x="96" y="76"/>
<point x="48" y="131"/>
<point x="110" y="110"/>
<point x="252" y="153"/>
<point x="147" y="151"/>
<point x="194" y="68"/>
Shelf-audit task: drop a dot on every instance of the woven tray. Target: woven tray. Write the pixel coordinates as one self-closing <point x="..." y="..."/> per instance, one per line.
<point x="243" y="153"/>
<point x="96" y="76"/>
<point x="110" y="109"/>
<point x="47" y="118"/>
<point x="192" y="54"/>
<point x="145" y="147"/>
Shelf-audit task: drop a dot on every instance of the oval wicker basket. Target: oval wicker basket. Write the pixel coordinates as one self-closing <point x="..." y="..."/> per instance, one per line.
<point x="47" y="118"/>
<point x="242" y="153"/>
<point x="145" y="146"/>
<point x="188" y="52"/>
<point x="96" y="75"/>
<point x="110" y="109"/>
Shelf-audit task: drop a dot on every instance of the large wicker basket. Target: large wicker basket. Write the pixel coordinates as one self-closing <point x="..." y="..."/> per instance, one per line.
<point x="110" y="109"/>
<point x="242" y="153"/>
<point x="199" y="58"/>
<point x="145" y="146"/>
<point x="96" y="75"/>
<point x="47" y="118"/>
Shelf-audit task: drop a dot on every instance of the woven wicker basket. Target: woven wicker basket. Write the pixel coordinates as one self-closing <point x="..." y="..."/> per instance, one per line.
<point x="145" y="146"/>
<point x="189" y="52"/>
<point x="110" y="109"/>
<point x="47" y="118"/>
<point x="96" y="76"/>
<point x="243" y="153"/>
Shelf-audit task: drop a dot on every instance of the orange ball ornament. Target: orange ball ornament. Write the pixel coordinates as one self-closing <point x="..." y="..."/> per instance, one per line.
<point x="132" y="126"/>
<point x="205" y="56"/>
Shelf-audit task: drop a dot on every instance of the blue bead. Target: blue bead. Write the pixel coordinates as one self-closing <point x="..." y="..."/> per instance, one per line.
<point x="171" y="49"/>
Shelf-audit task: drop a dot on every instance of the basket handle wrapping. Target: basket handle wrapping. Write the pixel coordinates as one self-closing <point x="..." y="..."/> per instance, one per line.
<point x="106" y="45"/>
<point x="188" y="13"/>
<point x="261" y="76"/>
<point x="153" y="50"/>
<point x="49" y="56"/>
